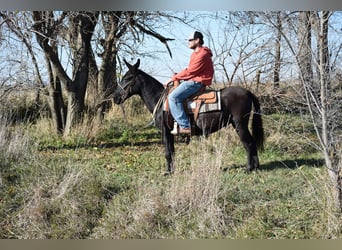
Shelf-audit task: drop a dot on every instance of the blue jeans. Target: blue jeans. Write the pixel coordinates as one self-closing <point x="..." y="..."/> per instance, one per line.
<point x="176" y="99"/>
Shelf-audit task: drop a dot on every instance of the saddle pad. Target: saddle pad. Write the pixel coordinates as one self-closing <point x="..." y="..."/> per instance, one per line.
<point x="207" y="106"/>
<point x="211" y="103"/>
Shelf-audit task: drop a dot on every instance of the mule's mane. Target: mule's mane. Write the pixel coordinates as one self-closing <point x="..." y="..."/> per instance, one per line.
<point x="149" y="77"/>
<point x="150" y="89"/>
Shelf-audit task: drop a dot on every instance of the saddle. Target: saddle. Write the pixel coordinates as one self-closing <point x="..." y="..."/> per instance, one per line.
<point x="200" y="102"/>
<point x="203" y="101"/>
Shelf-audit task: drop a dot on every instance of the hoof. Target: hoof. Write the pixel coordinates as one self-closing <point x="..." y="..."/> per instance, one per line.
<point x="250" y="170"/>
<point x="187" y="139"/>
<point x="167" y="173"/>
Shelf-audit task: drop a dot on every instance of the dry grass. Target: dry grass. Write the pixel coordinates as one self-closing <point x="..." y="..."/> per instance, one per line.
<point x="42" y="198"/>
<point x="195" y="190"/>
<point x="51" y="197"/>
<point x="53" y="191"/>
<point x="324" y="197"/>
<point x="184" y="205"/>
<point x="14" y="145"/>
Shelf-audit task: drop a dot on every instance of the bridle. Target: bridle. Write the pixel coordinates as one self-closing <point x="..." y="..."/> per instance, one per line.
<point x="127" y="87"/>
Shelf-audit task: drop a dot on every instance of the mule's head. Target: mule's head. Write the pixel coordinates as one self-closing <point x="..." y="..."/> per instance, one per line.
<point x="128" y="85"/>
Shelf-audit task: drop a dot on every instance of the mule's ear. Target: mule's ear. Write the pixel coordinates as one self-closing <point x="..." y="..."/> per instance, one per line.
<point x="136" y="66"/>
<point x="127" y="64"/>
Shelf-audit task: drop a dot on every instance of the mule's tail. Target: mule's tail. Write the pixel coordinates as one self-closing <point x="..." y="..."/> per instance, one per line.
<point x="257" y="127"/>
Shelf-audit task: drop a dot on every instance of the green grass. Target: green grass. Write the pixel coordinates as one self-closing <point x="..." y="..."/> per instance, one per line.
<point x="111" y="185"/>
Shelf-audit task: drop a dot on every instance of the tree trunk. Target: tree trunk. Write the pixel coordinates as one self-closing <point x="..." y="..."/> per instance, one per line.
<point x="276" y="77"/>
<point x="332" y="161"/>
<point x="74" y="111"/>
<point x="304" y="44"/>
<point x="80" y="33"/>
<point x="57" y="107"/>
<point x="55" y="100"/>
<point x="91" y="97"/>
<point x="106" y="84"/>
<point x="106" y="77"/>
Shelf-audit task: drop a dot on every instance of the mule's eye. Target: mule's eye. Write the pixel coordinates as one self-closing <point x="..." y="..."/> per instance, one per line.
<point x="127" y="78"/>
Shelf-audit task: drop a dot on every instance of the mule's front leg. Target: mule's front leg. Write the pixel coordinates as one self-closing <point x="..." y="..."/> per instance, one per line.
<point x="169" y="150"/>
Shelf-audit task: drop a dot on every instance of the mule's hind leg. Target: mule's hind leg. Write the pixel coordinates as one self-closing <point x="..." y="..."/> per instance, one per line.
<point x="248" y="143"/>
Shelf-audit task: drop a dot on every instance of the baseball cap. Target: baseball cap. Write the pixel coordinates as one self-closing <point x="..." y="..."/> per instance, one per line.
<point x="196" y="35"/>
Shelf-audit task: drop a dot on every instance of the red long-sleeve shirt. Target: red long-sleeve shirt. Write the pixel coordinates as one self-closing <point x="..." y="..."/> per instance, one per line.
<point x="200" y="67"/>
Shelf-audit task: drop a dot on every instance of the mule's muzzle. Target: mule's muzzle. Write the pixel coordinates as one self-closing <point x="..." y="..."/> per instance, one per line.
<point x="118" y="99"/>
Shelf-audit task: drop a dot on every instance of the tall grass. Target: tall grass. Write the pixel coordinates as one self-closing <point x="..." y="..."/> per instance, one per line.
<point x="14" y="145"/>
<point x="43" y="196"/>
<point x="211" y="196"/>
<point x="58" y="205"/>
<point x="109" y="184"/>
<point x="184" y="205"/>
<point x="195" y="189"/>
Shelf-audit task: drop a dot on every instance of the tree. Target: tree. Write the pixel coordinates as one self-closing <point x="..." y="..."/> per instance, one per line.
<point x="327" y="128"/>
<point x="117" y="27"/>
<point x="243" y="45"/>
<point x="15" y="23"/>
<point x="277" y="59"/>
<point x="323" y="100"/>
<point x="87" y="44"/>
<point x="321" y="96"/>
<point x="78" y="34"/>
<point x="304" y="54"/>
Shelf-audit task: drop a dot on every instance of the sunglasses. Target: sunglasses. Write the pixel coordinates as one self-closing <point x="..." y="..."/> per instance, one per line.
<point x="190" y="40"/>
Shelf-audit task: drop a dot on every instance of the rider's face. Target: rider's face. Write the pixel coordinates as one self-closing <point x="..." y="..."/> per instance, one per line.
<point x="193" y="43"/>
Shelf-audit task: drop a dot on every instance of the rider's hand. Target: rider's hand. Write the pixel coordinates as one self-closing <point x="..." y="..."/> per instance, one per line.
<point x="166" y="84"/>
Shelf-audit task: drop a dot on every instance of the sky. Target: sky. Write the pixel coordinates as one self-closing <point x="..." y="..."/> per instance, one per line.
<point x="164" y="66"/>
<point x="160" y="65"/>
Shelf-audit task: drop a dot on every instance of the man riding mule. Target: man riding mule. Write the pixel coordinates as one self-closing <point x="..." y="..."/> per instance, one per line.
<point x="236" y="105"/>
<point x="196" y="76"/>
<point x="205" y="100"/>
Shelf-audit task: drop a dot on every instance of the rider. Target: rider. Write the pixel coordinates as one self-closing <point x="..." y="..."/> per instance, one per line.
<point x="198" y="74"/>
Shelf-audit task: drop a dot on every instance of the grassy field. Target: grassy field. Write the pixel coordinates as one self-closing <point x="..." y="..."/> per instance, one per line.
<point x="110" y="185"/>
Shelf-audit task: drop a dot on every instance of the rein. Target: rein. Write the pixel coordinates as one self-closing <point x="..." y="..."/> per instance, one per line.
<point x="158" y="105"/>
<point x="126" y="90"/>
